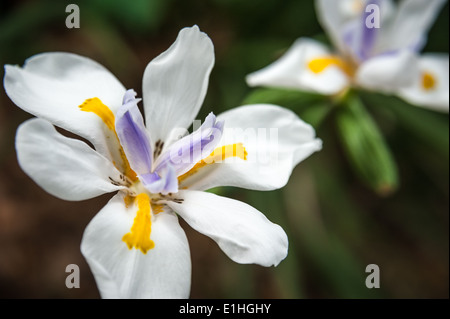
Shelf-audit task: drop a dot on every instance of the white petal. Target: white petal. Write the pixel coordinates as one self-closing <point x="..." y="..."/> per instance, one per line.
<point x="387" y="73"/>
<point x="410" y="25"/>
<point x="292" y="71"/>
<point x="437" y="98"/>
<point x="66" y="168"/>
<point x="163" y="272"/>
<point x="175" y="83"/>
<point x="275" y="139"/>
<point x="241" y="231"/>
<point x="337" y="16"/>
<point x="52" y="86"/>
<point x="333" y="15"/>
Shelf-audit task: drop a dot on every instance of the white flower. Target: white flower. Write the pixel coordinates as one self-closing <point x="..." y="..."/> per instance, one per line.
<point x="135" y="245"/>
<point x="384" y="59"/>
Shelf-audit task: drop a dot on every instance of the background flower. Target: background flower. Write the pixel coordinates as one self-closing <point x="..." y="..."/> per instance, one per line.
<point x="336" y="226"/>
<point x="375" y="48"/>
<point x="375" y="45"/>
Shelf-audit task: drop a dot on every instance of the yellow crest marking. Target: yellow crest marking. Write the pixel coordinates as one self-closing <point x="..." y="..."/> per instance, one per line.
<point x="428" y="81"/>
<point x="318" y="65"/>
<point x="96" y="106"/>
<point x="139" y="235"/>
<point x="217" y="156"/>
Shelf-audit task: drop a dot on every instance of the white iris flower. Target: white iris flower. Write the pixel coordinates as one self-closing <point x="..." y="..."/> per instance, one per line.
<point x="383" y="57"/>
<point x="135" y="245"/>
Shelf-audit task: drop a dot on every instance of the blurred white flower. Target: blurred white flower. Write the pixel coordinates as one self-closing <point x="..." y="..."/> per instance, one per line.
<point x="384" y="59"/>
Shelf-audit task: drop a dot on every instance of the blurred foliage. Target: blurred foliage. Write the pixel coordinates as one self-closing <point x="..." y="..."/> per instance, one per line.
<point x="365" y="146"/>
<point x="335" y="223"/>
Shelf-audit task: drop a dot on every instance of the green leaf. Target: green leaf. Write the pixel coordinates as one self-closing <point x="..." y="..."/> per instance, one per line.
<point x="428" y="126"/>
<point x="365" y="146"/>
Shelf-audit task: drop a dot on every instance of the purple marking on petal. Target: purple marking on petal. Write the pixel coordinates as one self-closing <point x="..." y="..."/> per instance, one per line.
<point x="351" y="36"/>
<point x="368" y="35"/>
<point x="129" y="96"/>
<point x="133" y="135"/>
<point x="189" y="150"/>
<point x="348" y="36"/>
<point x="171" y="185"/>
<point x="358" y="37"/>
<point x="152" y="182"/>
<point x="150" y="178"/>
<point x="164" y="182"/>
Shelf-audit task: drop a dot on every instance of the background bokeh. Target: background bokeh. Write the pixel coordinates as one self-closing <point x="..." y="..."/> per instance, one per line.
<point x="335" y="223"/>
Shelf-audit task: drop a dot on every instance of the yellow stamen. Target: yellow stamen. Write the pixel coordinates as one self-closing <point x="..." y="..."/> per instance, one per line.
<point x="139" y="236"/>
<point x="428" y="81"/>
<point x="320" y="64"/>
<point x="157" y="209"/>
<point x="96" y="106"/>
<point x="128" y="199"/>
<point x="218" y="155"/>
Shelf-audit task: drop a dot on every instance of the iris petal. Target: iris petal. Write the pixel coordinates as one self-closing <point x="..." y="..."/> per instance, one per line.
<point x="133" y="135"/>
<point x="189" y="150"/>
<point x="359" y="37"/>
<point x="164" y="181"/>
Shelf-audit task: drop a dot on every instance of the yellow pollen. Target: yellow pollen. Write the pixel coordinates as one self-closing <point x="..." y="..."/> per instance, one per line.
<point x="218" y="155"/>
<point x="96" y="106"/>
<point x="428" y="81"/>
<point x="320" y="64"/>
<point x="139" y="235"/>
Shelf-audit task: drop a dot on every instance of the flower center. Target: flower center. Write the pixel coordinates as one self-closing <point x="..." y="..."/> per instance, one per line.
<point x="428" y="81"/>
<point x="120" y="161"/>
<point x="155" y="183"/>
<point x="318" y="65"/>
